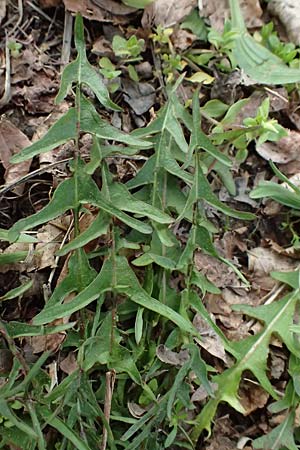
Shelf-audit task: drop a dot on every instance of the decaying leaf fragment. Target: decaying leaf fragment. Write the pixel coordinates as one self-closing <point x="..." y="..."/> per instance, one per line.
<point x="218" y="10"/>
<point x="167" y="12"/>
<point x="12" y="141"/>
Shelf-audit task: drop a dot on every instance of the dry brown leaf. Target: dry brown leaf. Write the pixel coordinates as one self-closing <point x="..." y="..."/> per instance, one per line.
<point x="262" y="261"/>
<point x="12" y="141"/>
<point x="209" y="338"/>
<point x="221" y="442"/>
<point x="69" y="364"/>
<point x="201" y="393"/>
<point x="283" y="151"/>
<point x="167" y="356"/>
<point x="182" y="39"/>
<point x="49" y="238"/>
<point x="167" y="12"/>
<point x="51" y="342"/>
<point x="289" y="14"/>
<point x="216" y="271"/>
<point x="252" y="397"/>
<point x="218" y="11"/>
<point x="277" y="364"/>
<point x="136" y="410"/>
<point x="99" y="10"/>
<point x="6" y="361"/>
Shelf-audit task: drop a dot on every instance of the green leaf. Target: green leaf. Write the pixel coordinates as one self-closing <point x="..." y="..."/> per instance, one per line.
<point x="127" y="283"/>
<point x="281" y="436"/>
<point x="6" y="412"/>
<point x="22" y="239"/>
<point x="79" y="276"/>
<point x="149" y="258"/>
<point x="269" y="189"/>
<point x="11" y="258"/>
<point x="214" y="108"/>
<point x="98" y="348"/>
<point x="62" y="131"/>
<point x="195" y="24"/>
<point x="256" y="60"/>
<point x="60" y="426"/>
<point x="139" y="325"/>
<point x="98" y="228"/>
<point x="122" y="199"/>
<point x="18" y="329"/>
<point x="177" y="382"/>
<point x="81" y="71"/>
<point x="137" y="3"/>
<point x="205" y="192"/>
<point x="69" y="195"/>
<point x="17" y="292"/>
<point x="251" y="354"/>
<point x="65" y="129"/>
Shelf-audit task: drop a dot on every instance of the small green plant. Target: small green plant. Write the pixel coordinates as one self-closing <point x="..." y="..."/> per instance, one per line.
<point x="172" y="64"/>
<point x="130" y="49"/>
<point x="15" y="48"/>
<point x="162" y="35"/>
<point x="267" y="129"/>
<point x="269" y="38"/>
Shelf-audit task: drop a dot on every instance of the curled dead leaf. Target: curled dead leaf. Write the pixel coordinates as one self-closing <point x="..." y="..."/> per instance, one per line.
<point x="210" y="340"/>
<point x="167" y="356"/>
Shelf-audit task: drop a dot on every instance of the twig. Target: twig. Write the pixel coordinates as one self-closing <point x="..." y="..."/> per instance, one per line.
<point x="20" y="10"/>
<point x="110" y="383"/>
<point x="7" y="90"/>
<point x="39" y="10"/>
<point x="31" y="175"/>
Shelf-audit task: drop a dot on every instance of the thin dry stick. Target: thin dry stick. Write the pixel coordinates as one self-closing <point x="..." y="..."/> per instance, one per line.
<point x="7" y="91"/>
<point x="20" y="18"/>
<point x="110" y="383"/>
